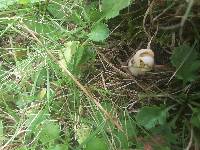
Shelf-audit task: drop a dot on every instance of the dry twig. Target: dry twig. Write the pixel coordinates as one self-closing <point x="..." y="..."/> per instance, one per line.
<point x="86" y="91"/>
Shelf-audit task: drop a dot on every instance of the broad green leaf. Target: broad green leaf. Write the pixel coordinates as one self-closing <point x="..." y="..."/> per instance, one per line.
<point x="126" y="138"/>
<point x="56" y="10"/>
<point x="69" y="50"/>
<point x="97" y="143"/>
<point x="24" y="99"/>
<point x="185" y="59"/>
<point x="84" y="55"/>
<point x="28" y="1"/>
<point x="111" y="8"/>
<point x="93" y="12"/>
<point x="130" y="127"/>
<point x="39" y="77"/>
<point x="195" y="119"/>
<point x="49" y="132"/>
<point x="23" y="1"/>
<point x="75" y="56"/>
<point x="35" y="120"/>
<point x="79" y="55"/>
<point x="166" y="132"/>
<point x="123" y="140"/>
<point x="75" y="18"/>
<point x="99" y="33"/>
<point x="59" y="147"/>
<point x="149" y="117"/>
<point x="44" y="28"/>
<point x="66" y="55"/>
<point x="99" y="116"/>
<point x="5" y="3"/>
<point x="82" y="133"/>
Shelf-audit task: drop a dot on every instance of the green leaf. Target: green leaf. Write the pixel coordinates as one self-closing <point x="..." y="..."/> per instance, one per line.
<point x="111" y="8"/>
<point x="149" y="117"/>
<point x="44" y="28"/>
<point x="35" y="120"/>
<point x="93" y="13"/>
<point x="66" y="55"/>
<point x="28" y="1"/>
<point x="82" y="133"/>
<point x="166" y="132"/>
<point x="56" y="10"/>
<point x="97" y="143"/>
<point x="22" y="148"/>
<point x="49" y="132"/>
<point x="79" y="55"/>
<point x="126" y="138"/>
<point x="5" y="3"/>
<point x="195" y="120"/>
<point x="24" y="99"/>
<point x="69" y="50"/>
<point x="75" y="56"/>
<point x="59" y="147"/>
<point x="185" y="59"/>
<point x="23" y="1"/>
<point x="20" y="54"/>
<point x="99" y="33"/>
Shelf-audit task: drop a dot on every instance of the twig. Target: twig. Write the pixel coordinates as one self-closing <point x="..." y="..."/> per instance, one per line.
<point x="125" y="75"/>
<point x="115" y="68"/>
<point x="85" y="91"/>
<point x="103" y="80"/>
<point x="150" y="38"/>
<point x="117" y="26"/>
<point x="191" y="140"/>
<point x="163" y="12"/>
<point x="145" y="16"/>
<point x="182" y="63"/>
<point x="184" y="18"/>
<point x="172" y="27"/>
<point x="149" y="43"/>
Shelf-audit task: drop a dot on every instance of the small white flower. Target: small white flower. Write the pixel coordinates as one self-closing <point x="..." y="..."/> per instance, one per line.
<point x="141" y="62"/>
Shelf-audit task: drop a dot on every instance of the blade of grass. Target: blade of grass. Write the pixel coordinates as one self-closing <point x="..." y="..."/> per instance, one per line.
<point x="68" y="73"/>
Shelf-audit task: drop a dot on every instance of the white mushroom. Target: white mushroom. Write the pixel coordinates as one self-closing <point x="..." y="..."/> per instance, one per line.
<point x="141" y="62"/>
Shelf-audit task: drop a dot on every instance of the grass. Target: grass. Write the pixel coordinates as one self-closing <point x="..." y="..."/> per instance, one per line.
<point x="64" y="83"/>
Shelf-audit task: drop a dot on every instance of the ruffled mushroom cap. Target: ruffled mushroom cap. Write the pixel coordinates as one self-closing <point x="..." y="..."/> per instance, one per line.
<point x="141" y="62"/>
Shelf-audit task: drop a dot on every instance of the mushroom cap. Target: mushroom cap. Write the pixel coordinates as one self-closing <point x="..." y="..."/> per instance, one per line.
<point x="144" y="55"/>
<point x="141" y="62"/>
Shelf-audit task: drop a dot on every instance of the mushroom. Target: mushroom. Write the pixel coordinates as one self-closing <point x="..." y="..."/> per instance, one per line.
<point x="141" y="62"/>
